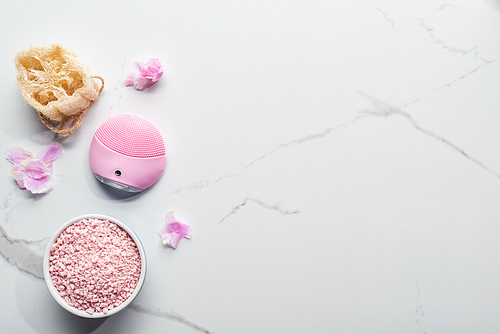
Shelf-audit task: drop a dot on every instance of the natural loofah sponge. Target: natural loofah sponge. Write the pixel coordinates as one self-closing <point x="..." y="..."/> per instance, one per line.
<point x="57" y="84"/>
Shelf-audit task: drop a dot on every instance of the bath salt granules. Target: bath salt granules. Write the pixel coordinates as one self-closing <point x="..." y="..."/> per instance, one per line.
<point x="95" y="265"/>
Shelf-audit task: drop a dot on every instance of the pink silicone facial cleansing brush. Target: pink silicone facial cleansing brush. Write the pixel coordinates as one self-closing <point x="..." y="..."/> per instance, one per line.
<point x="127" y="152"/>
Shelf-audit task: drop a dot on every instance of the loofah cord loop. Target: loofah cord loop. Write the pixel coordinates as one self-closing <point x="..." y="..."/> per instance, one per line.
<point x="74" y="121"/>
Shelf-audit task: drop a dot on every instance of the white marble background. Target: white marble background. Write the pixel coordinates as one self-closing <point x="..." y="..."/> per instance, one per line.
<point x="339" y="163"/>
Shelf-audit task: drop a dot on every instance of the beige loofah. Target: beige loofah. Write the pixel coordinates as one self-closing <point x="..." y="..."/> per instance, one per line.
<point x="54" y="82"/>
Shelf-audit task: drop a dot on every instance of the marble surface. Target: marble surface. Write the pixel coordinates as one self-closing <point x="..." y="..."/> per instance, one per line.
<point x="339" y="163"/>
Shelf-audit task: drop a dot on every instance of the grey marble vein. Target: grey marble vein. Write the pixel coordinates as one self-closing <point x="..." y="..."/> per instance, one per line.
<point x="419" y="312"/>
<point x="8" y="205"/>
<point x="452" y="82"/>
<point x="294" y="142"/>
<point x="274" y="207"/>
<point x="385" y="109"/>
<point x="447" y="6"/>
<point x="493" y="3"/>
<point x="446" y="46"/>
<point x="388" y="18"/>
<point x="118" y="88"/>
<point x="465" y="75"/>
<point x="300" y="141"/>
<point x="25" y="255"/>
<point x="155" y="312"/>
<point x="18" y="253"/>
<point x="202" y="184"/>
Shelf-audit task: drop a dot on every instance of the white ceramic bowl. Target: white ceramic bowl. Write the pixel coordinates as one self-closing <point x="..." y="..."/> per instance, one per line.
<point x="53" y="291"/>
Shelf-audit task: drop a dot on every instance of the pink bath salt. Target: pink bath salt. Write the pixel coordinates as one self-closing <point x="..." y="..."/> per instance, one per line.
<point x="95" y="265"/>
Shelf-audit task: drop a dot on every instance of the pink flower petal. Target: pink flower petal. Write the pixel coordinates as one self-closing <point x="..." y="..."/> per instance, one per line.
<point x="150" y="67"/>
<point x="171" y="240"/>
<point x="50" y="153"/>
<point x="38" y="186"/>
<point x="34" y="168"/>
<point x="18" y="175"/>
<point x="129" y="81"/>
<point x="16" y="155"/>
<point x="151" y="71"/>
<point x="34" y="174"/>
<point x="141" y="82"/>
<point x="157" y="76"/>
<point x="174" y="231"/>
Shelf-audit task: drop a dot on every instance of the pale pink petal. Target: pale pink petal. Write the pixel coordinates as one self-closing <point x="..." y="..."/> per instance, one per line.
<point x="141" y="82"/>
<point x="150" y="67"/>
<point x="151" y="71"/>
<point x="50" y="153"/>
<point x="34" y="168"/>
<point x="49" y="167"/>
<point x="16" y="154"/>
<point x="34" y="174"/>
<point x="171" y="239"/>
<point x="129" y="81"/>
<point x="174" y="231"/>
<point x="18" y="175"/>
<point x="38" y="186"/>
<point x="157" y="76"/>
